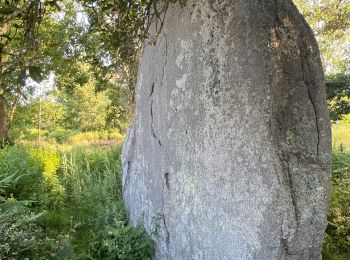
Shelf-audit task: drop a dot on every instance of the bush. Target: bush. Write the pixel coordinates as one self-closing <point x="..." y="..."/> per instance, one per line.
<point x="116" y="136"/>
<point x="22" y="238"/>
<point x="60" y="135"/>
<point x="116" y="239"/>
<point x="338" y="230"/>
<point x="338" y="95"/>
<point x="32" y="134"/>
<point x="337" y="239"/>
<point x="31" y="174"/>
<point x="50" y="161"/>
<point x="21" y="171"/>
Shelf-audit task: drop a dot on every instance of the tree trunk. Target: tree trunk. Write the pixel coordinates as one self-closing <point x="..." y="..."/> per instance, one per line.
<point x="3" y="130"/>
<point x="11" y="114"/>
<point x="229" y="153"/>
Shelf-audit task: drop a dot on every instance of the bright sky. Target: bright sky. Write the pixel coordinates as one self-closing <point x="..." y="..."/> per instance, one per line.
<point x="42" y="88"/>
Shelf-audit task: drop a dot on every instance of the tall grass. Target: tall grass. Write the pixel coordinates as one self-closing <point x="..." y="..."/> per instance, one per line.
<point x="74" y="138"/>
<point x="341" y="136"/>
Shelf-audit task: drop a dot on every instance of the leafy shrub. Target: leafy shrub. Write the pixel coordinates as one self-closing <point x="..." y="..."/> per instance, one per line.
<point x="32" y="134"/>
<point x="116" y="239"/>
<point x="345" y="120"/>
<point x="20" y="172"/>
<point x="337" y="239"/>
<point x="338" y="230"/>
<point x="116" y="136"/>
<point x="22" y="238"/>
<point x="338" y="94"/>
<point x="60" y="135"/>
<point x="50" y="160"/>
<point x="31" y="174"/>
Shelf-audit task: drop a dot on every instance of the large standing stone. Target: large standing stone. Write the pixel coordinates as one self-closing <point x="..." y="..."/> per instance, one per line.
<point x="229" y="153"/>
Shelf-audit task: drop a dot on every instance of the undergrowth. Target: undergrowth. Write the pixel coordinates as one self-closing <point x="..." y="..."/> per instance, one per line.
<point x="337" y="238"/>
<point x="65" y="205"/>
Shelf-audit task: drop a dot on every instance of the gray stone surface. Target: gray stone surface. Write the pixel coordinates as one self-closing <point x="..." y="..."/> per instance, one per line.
<point x="229" y="153"/>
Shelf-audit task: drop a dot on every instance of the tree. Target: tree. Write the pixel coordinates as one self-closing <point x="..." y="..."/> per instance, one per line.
<point x="338" y="96"/>
<point x="229" y="153"/>
<point x="89" y="107"/>
<point x="121" y="28"/>
<point x="37" y="41"/>
<point x="120" y="109"/>
<point x="19" y="22"/>
<point x="330" y="20"/>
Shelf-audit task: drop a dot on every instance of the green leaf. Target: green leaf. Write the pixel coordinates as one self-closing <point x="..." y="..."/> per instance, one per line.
<point x="107" y="7"/>
<point x="54" y="5"/>
<point x="133" y="12"/>
<point x="32" y="216"/>
<point x="36" y="73"/>
<point x="8" y="9"/>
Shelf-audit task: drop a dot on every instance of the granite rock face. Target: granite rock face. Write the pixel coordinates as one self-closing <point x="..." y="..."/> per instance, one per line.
<point x="229" y="153"/>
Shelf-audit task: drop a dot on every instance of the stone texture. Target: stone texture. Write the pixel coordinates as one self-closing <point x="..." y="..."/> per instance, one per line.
<point x="229" y="153"/>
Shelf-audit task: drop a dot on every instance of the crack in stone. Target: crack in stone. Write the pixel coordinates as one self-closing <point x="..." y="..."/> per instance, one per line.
<point x="167" y="236"/>
<point x="293" y="200"/>
<point x="152" y="127"/>
<point x="316" y="118"/>
<point x="167" y="240"/>
<point x="302" y="56"/>
<point x="155" y="136"/>
<point x="127" y="177"/>
<point x="304" y="66"/>
<point x="288" y="232"/>
<point x="166" y="58"/>
<point x="166" y="176"/>
<point x="130" y="159"/>
<point x="152" y="90"/>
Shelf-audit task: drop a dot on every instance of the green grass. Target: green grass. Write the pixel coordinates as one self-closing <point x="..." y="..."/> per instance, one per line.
<point x="341" y="136"/>
<point x="69" y="137"/>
